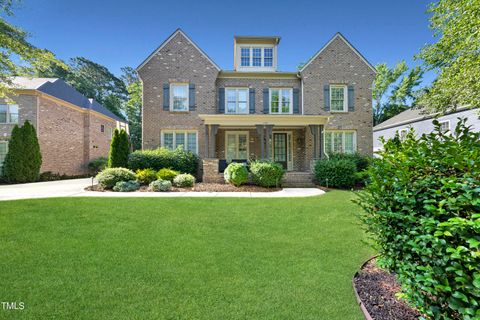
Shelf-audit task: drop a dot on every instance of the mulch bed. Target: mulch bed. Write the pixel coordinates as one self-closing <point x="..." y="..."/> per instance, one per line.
<point x="202" y="187"/>
<point x="377" y="288"/>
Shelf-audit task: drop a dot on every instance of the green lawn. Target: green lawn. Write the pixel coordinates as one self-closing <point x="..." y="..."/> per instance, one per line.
<point x="174" y="258"/>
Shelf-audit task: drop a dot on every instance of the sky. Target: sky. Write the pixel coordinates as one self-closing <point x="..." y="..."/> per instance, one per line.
<point x="117" y="33"/>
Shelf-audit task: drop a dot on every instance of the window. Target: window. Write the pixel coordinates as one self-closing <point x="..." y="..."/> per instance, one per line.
<point x="268" y="57"/>
<point x="187" y="140"/>
<point x="340" y="142"/>
<point x="281" y="101"/>
<point x="236" y="145"/>
<point x="236" y="100"/>
<point x="3" y="154"/>
<point x="102" y="128"/>
<point x="8" y="113"/>
<point x="245" y="57"/>
<point x="403" y="134"/>
<point x="338" y="98"/>
<point x="445" y="126"/>
<point x="110" y="132"/>
<point x="179" y="97"/>
<point x="256" y="56"/>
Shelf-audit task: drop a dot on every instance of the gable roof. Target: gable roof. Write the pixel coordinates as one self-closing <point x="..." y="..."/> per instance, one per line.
<point x="339" y="35"/>
<point x="178" y="31"/>
<point x="58" y="88"/>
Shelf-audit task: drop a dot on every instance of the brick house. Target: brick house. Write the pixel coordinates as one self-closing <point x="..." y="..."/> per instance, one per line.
<point x="255" y="111"/>
<point x="71" y="129"/>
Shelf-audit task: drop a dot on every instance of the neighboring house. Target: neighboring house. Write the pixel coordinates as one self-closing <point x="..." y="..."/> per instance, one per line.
<point x="421" y="122"/>
<point x="255" y="111"/>
<point x="71" y="129"/>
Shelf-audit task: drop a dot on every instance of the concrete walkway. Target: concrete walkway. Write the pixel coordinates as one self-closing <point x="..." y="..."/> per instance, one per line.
<point x="75" y="188"/>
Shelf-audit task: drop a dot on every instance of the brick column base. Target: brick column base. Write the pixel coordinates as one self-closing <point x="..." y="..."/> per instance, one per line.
<point x="210" y="171"/>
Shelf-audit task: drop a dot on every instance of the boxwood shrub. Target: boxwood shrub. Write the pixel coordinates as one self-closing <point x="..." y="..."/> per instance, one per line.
<point x="422" y="207"/>
<point x="109" y="177"/>
<point x="184" y="180"/>
<point x="236" y="174"/>
<point x="126" y="186"/>
<point x="160" y="185"/>
<point x="336" y="172"/>
<point x="178" y="159"/>
<point x="267" y="174"/>
<point x="167" y="174"/>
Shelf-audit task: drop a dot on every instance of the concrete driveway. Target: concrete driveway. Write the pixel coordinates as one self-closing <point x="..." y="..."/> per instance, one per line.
<point x="75" y="188"/>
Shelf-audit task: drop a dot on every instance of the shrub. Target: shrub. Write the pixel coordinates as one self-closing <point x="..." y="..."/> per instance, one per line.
<point x="267" y="174"/>
<point x="160" y="185"/>
<point x="184" y="180"/>
<point x="23" y="160"/>
<point x="145" y="176"/>
<point x="97" y="165"/>
<point x="178" y="159"/>
<point x="361" y="161"/>
<point x="167" y="174"/>
<point x="119" y="150"/>
<point x="236" y="174"/>
<point x="109" y="177"/>
<point x="422" y="207"/>
<point x="126" y="186"/>
<point x="337" y="173"/>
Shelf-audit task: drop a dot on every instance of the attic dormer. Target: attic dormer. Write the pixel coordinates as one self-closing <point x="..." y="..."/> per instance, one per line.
<point x="255" y="53"/>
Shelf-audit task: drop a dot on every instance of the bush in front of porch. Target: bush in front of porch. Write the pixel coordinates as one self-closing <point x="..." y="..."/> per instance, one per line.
<point x="267" y="174"/>
<point x="236" y="174"/>
<point x="178" y="159"/>
<point x="342" y="170"/>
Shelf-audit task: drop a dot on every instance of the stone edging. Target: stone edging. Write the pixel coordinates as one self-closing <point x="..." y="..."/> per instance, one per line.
<point x="366" y="314"/>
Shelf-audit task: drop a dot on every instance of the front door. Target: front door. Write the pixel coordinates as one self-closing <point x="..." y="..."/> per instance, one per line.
<point x="280" y="149"/>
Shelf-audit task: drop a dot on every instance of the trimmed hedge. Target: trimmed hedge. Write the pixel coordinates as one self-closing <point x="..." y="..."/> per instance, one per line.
<point x="160" y="185"/>
<point x="361" y="161"/>
<point x="178" y="159"/>
<point x="109" y="177"/>
<point x="422" y="208"/>
<point x="267" y="174"/>
<point x="236" y="174"/>
<point x="184" y="180"/>
<point x="167" y="174"/>
<point x="119" y="149"/>
<point x="337" y="173"/>
<point x="146" y="176"/>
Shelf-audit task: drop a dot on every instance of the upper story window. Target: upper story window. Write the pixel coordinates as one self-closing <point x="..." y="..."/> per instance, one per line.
<point x="8" y="113"/>
<point x="179" y="97"/>
<point x="256" y="56"/>
<point x="102" y="128"/>
<point x="281" y="101"/>
<point x="268" y="57"/>
<point x="245" y="58"/>
<point x="236" y="100"/>
<point x="338" y="98"/>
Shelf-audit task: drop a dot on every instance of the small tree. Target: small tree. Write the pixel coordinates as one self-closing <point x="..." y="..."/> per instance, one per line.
<point x="23" y="160"/>
<point x="119" y="150"/>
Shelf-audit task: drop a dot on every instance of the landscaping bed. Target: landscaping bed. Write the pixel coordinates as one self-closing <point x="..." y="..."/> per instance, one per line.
<point x="202" y="187"/>
<point x="377" y="289"/>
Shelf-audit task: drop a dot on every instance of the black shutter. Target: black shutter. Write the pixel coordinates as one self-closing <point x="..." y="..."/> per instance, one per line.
<point x="351" y="99"/>
<point x="296" y="109"/>
<point x="221" y="100"/>
<point x="266" y="102"/>
<point x="191" y="97"/>
<point x="251" y="100"/>
<point x="166" y="96"/>
<point x="326" y="97"/>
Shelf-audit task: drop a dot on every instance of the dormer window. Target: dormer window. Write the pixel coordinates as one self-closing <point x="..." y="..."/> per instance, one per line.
<point x="256" y="56"/>
<point x="255" y="53"/>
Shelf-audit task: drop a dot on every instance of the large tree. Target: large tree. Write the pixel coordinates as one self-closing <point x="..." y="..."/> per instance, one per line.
<point x="393" y="90"/>
<point x="17" y="55"/>
<point x="455" y="57"/>
<point x="133" y="106"/>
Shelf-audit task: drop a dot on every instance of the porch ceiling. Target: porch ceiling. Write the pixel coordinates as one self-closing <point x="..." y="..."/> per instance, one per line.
<point x="265" y="119"/>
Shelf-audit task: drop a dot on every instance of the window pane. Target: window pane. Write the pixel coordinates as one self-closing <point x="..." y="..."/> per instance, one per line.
<point x="274" y="101"/>
<point x="180" y="97"/>
<point x="245" y="57"/>
<point x="192" y="142"/>
<point x="349" y="145"/>
<point x="231" y="100"/>
<point x="242" y="146"/>
<point x="337" y="142"/>
<point x="180" y="139"/>
<point x="267" y="57"/>
<point x="337" y="97"/>
<point x="257" y="57"/>
<point x="13" y="112"/>
<point x="231" y="147"/>
<point x="286" y="101"/>
<point x="242" y="95"/>
<point x="3" y="113"/>
<point x="328" y="142"/>
<point x="242" y="107"/>
<point x="231" y="107"/>
<point x="168" y="140"/>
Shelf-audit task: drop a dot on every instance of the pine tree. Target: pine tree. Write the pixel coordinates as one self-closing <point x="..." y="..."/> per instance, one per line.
<point x="119" y="150"/>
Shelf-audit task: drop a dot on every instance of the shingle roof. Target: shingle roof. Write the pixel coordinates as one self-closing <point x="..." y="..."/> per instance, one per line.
<point x="60" y="89"/>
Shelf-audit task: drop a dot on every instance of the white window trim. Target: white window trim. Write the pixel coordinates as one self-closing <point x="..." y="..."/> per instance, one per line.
<point x="262" y="52"/>
<point x="343" y="139"/>
<point x="345" y="97"/>
<point x="280" y="100"/>
<point x="8" y="113"/>
<point x="237" y="133"/>
<point x="185" y="132"/>
<point x="236" y="107"/>
<point x="173" y="84"/>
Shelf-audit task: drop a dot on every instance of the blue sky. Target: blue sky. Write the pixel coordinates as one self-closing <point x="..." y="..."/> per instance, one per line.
<point x="122" y="33"/>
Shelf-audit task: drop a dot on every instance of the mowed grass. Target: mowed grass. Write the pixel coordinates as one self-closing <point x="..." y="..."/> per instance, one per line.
<point x="181" y="258"/>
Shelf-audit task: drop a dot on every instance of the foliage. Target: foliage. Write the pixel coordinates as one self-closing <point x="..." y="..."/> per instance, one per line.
<point x="23" y="160"/>
<point x="109" y="177"/>
<point x="167" y="174"/>
<point x="236" y="174"/>
<point x="15" y="47"/>
<point x="160" y="185"/>
<point x="98" y="164"/>
<point x="337" y="173"/>
<point x="422" y="207"/>
<point x="401" y="89"/>
<point x="119" y="150"/>
<point x="361" y="161"/>
<point x="126" y="186"/>
<point x="145" y="176"/>
<point x="454" y="57"/>
<point x="178" y="159"/>
<point x="184" y="180"/>
<point x="133" y="110"/>
<point x="267" y="174"/>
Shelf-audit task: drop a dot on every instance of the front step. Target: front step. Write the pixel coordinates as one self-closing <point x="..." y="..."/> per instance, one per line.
<point x="294" y="179"/>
